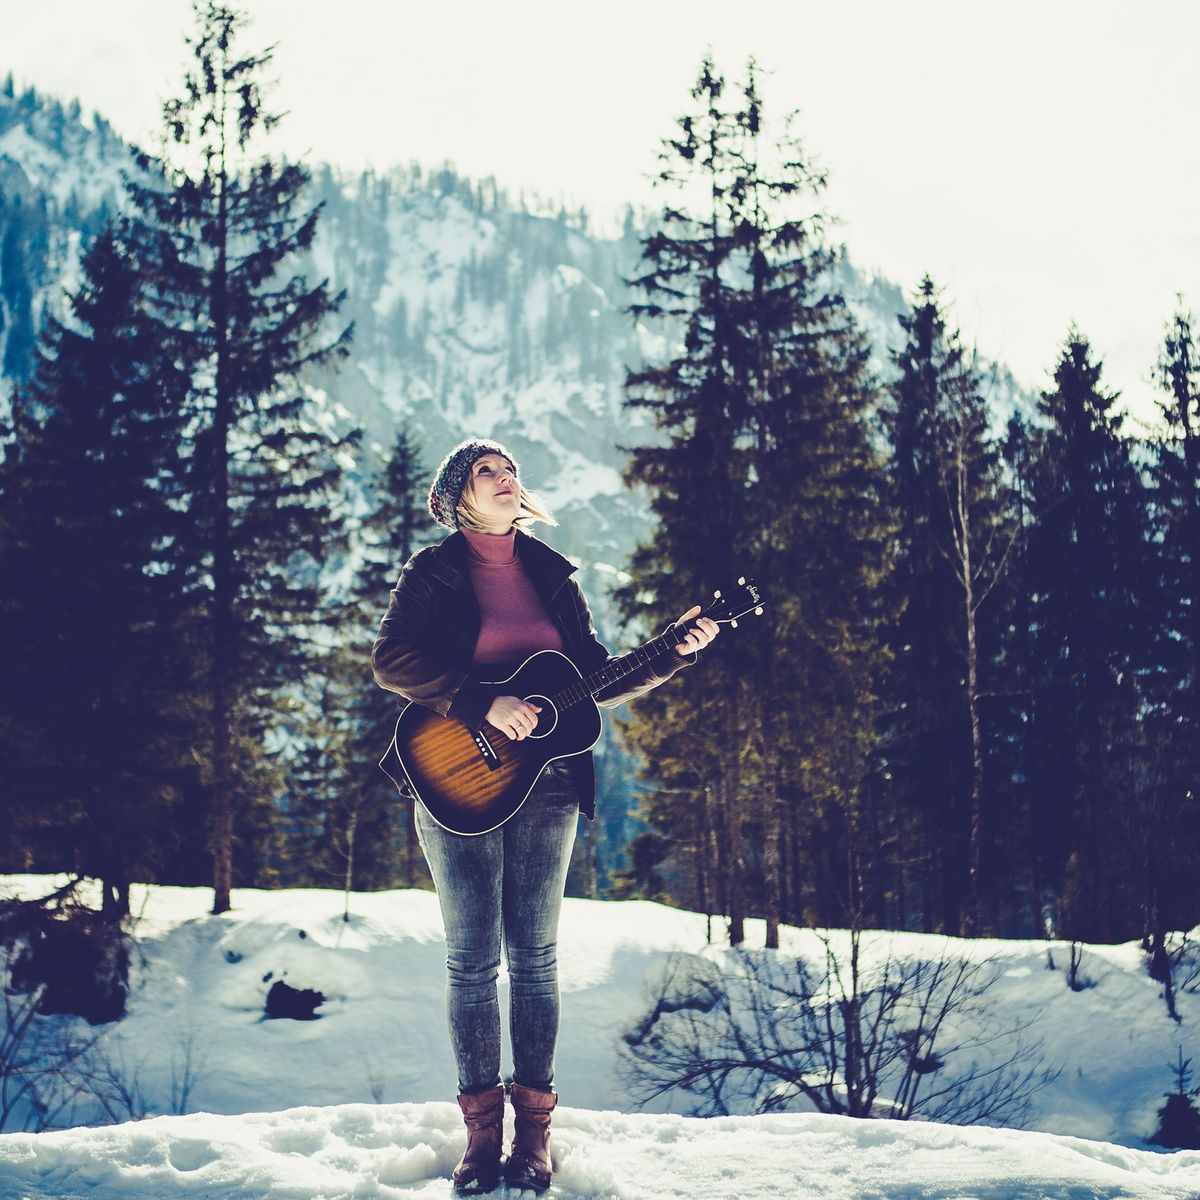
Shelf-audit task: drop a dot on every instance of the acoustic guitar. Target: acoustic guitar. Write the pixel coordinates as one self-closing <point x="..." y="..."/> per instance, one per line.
<point x="471" y="782"/>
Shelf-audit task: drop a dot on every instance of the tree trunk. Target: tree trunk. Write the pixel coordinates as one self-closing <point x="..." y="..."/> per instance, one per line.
<point x="733" y="859"/>
<point x="223" y="582"/>
<point x="771" y="832"/>
<point x="973" y="921"/>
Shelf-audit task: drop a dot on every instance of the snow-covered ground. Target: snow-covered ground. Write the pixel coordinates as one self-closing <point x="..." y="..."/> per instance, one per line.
<point x="360" y="1102"/>
<point x="377" y="1152"/>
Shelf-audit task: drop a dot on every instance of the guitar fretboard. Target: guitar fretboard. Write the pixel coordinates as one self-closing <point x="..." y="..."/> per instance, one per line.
<point x="616" y="670"/>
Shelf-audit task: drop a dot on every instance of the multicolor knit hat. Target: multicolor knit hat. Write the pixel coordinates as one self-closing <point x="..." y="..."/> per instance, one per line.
<point x="451" y="477"/>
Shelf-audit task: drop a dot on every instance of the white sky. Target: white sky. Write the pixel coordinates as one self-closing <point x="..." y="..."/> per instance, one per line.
<point x="1040" y="158"/>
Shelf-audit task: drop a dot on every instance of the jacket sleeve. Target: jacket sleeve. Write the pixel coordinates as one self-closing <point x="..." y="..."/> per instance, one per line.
<point x="658" y="670"/>
<point x="402" y="662"/>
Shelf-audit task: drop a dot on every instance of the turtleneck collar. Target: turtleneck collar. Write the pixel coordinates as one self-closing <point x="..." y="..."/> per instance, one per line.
<point x="491" y="549"/>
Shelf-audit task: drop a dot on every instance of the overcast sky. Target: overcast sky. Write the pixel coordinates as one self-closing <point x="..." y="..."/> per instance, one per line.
<point x="1040" y="158"/>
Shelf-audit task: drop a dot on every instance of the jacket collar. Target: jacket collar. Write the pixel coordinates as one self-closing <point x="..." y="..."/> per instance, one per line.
<point x="547" y="569"/>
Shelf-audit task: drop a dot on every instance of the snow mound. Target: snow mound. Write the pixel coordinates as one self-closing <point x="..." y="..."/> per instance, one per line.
<point x="407" y="1150"/>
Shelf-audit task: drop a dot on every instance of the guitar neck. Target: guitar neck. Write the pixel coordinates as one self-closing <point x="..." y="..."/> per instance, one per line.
<point x="613" y="672"/>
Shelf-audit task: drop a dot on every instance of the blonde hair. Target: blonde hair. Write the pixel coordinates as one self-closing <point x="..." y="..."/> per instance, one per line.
<point x="530" y="509"/>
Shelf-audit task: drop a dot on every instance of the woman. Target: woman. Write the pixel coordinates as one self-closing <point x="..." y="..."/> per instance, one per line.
<point x="472" y="608"/>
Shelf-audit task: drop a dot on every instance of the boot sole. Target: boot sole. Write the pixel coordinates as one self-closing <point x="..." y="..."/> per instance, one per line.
<point x="477" y="1187"/>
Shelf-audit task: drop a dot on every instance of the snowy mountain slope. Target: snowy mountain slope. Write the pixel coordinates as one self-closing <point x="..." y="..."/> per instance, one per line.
<point x="381" y="1152"/>
<point x="472" y="314"/>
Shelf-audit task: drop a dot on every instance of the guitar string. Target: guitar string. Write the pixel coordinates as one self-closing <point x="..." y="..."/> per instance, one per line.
<point x="617" y="669"/>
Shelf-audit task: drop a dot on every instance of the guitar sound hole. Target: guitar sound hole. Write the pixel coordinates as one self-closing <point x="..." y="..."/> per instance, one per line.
<point x="547" y="718"/>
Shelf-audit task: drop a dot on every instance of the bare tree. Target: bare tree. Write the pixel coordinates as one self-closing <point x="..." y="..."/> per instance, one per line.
<point x="38" y="1059"/>
<point x="187" y="1068"/>
<point x="114" y="1083"/>
<point x="980" y="546"/>
<point x="887" y="1036"/>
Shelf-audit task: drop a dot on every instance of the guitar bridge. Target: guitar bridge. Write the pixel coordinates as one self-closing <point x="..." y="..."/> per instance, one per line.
<point x="486" y="751"/>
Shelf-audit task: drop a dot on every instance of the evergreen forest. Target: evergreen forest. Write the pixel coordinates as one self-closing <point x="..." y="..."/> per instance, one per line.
<point x="970" y="705"/>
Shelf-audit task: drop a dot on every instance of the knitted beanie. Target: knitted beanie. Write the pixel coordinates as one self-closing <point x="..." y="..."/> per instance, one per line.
<point x="451" y="477"/>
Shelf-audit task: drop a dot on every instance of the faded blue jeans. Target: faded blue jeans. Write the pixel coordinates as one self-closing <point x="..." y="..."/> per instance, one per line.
<point x="504" y="886"/>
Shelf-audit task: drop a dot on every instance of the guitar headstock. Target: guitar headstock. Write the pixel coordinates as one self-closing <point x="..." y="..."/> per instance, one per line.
<point x="733" y="602"/>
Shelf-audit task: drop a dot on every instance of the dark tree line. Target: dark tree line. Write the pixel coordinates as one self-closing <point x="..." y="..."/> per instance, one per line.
<point x="972" y="703"/>
<point x="170" y="510"/>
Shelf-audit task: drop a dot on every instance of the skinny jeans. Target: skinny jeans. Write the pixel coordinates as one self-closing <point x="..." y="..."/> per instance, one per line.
<point x="497" y="890"/>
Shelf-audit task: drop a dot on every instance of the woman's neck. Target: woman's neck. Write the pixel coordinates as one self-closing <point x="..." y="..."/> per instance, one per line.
<point x="495" y="549"/>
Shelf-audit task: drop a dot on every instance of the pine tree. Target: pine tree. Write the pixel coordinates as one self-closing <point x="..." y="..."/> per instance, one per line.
<point x="768" y="460"/>
<point x="690" y="731"/>
<point x="94" y="616"/>
<point x="944" y="485"/>
<point x="1169" y="824"/>
<point x="1087" y="552"/>
<point x="926" y="717"/>
<point x="1179" y="1119"/>
<point x="1018" y="888"/>
<point x="816" y="487"/>
<point x="345" y="809"/>
<point x="224" y="230"/>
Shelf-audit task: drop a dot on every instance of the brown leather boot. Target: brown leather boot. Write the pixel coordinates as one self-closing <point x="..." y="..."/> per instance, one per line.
<point x="528" y="1164"/>
<point x="483" y="1114"/>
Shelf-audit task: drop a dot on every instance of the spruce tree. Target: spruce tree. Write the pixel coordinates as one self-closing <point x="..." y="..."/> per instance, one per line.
<point x="767" y="462"/>
<point x="224" y="225"/>
<point x="1169" y="828"/>
<point x="1018" y="890"/>
<point x="925" y="716"/>
<point x="94" y="637"/>
<point x="343" y="807"/>
<point x="820" y="543"/>
<point x="946" y="492"/>
<point x="1179" y="1119"/>
<point x="1087" y="554"/>
<point x="691" y="731"/>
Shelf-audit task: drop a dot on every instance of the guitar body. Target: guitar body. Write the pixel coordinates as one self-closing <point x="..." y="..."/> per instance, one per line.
<point x="470" y="783"/>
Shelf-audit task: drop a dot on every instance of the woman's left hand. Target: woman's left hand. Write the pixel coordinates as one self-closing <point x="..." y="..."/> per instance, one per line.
<point x="705" y="630"/>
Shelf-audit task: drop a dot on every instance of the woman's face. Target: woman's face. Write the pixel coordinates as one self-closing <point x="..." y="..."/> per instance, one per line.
<point x="495" y="490"/>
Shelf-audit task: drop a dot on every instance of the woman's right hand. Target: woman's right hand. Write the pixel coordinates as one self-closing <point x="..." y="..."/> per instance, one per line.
<point x="514" y="716"/>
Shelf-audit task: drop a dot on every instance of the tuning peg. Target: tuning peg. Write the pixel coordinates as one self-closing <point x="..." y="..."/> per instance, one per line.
<point x="716" y="595"/>
<point x="742" y="581"/>
<point x="758" y="611"/>
<point x="733" y="624"/>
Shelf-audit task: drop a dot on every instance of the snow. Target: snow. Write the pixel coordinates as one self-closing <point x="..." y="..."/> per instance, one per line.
<point x="85" y="173"/>
<point x="407" y="1150"/>
<point x="358" y="1103"/>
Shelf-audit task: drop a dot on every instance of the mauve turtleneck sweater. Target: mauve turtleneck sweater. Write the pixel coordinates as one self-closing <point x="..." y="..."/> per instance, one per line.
<point x="514" y="622"/>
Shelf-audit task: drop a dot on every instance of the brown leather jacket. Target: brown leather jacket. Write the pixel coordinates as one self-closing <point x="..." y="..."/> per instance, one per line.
<point x="427" y="638"/>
